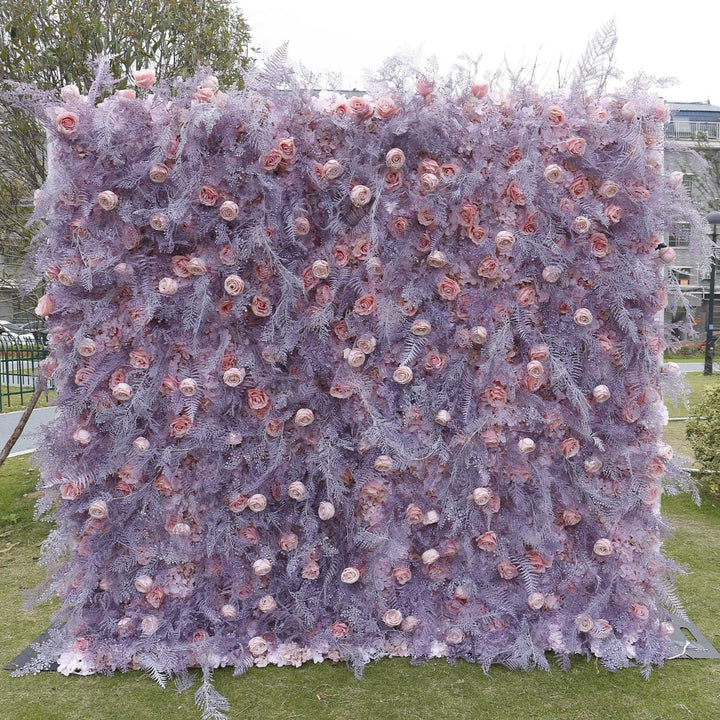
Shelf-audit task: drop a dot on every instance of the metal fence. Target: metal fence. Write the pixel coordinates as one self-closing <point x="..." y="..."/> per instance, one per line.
<point x="19" y="360"/>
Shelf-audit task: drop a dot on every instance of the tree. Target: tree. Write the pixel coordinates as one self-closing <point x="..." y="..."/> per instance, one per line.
<point x="51" y="42"/>
<point x="703" y="432"/>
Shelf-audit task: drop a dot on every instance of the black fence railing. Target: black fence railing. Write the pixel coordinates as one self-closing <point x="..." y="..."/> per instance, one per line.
<point x="19" y="360"/>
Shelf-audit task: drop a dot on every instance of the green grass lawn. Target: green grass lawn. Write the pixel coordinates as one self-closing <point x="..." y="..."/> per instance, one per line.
<point x="391" y="689"/>
<point x="14" y="403"/>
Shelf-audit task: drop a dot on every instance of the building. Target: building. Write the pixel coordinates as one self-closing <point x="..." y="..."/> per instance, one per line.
<point x="694" y="126"/>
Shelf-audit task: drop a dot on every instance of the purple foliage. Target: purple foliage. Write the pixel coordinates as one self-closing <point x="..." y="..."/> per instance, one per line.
<point x="346" y="378"/>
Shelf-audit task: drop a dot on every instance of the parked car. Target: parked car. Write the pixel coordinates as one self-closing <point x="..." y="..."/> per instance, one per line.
<point x="16" y="332"/>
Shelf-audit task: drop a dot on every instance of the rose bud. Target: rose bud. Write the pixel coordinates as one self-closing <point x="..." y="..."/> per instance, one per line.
<point x="442" y="417"/>
<point x="304" y="417"/>
<point x="478" y="335"/>
<point x="141" y="444"/>
<point x="601" y="393"/>
<point x="526" y="445"/>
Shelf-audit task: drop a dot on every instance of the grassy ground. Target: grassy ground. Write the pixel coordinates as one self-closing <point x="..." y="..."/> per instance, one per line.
<point x="391" y="689"/>
<point x="13" y="403"/>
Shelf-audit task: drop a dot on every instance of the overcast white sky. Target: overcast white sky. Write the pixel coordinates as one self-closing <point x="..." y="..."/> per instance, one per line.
<point x="679" y="39"/>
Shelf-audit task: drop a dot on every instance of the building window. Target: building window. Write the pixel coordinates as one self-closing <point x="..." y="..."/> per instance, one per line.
<point x="688" y="181"/>
<point x="682" y="274"/>
<point x="680" y="237"/>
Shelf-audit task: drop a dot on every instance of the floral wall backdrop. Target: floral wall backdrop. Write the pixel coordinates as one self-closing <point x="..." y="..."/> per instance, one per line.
<point x="353" y="377"/>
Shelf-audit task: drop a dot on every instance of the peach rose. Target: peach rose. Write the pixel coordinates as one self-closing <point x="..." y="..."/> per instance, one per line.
<point x="425" y="217"/>
<point x="355" y="358"/>
<point x="304" y="417"/>
<point x="262" y="567"/>
<point x="87" y="347"/>
<point x="350" y="575"/>
<point x="436" y="259"/>
<point x="536" y="600"/>
<point x="188" y="387"/>
<point x="496" y="396"/>
<point x="504" y="240"/>
<point x="583" y="317"/>
<point x="301" y="226"/>
<point x="208" y="196"/>
<point x="421" y="328"/>
<point x="234" y="285"/>
<point x="141" y="444"/>
<point x="526" y="445"/>
<point x="228" y="612"/>
<point x="553" y="173"/>
<point x="392" y="618"/>
<point x="608" y="189"/>
<point x="402" y="575"/>
<point x="515" y="194"/>
<point x="180" y="426"/>
<point x="614" y="214"/>
<point x="260" y="306"/>
<point x="403" y="375"/>
<point x="122" y="392"/>
<point x="257" y="503"/>
<point x="579" y="188"/>
<point x="98" y="509"/>
<point x="159" y="173"/>
<point x="385" y="107"/>
<point x="584" y="623"/>
<point x="556" y="115"/>
<point x="271" y="160"/>
<point x="257" y="646"/>
<point x="159" y="222"/>
<point x="428" y="182"/>
<point x="107" y="200"/>
<point x="477" y="233"/>
<point x="551" y="273"/>
<point x="286" y="146"/>
<point x="581" y="225"/>
<point x="288" y="541"/>
<point x="430" y="556"/>
<point x="326" y="510"/>
<point x="599" y="246"/>
<point x="487" y="541"/>
<point x="332" y="170"/>
<point x="233" y="376"/>
<point x="310" y="571"/>
<point x="592" y="465"/>
<point x="601" y="393"/>
<point x="570" y="517"/>
<point x="297" y="490"/>
<point x="229" y="210"/>
<point x="149" y="625"/>
<point x="339" y="629"/>
<point x="83" y="375"/>
<point x="140" y="360"/>
<point x="258" y="399"/>
<point x="360" y="195"/>
<point x="481" y="496"/>
<point x="227" y="255"/>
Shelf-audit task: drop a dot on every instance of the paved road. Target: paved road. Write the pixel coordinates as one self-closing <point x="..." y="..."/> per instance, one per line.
<point x="28" y="440"/>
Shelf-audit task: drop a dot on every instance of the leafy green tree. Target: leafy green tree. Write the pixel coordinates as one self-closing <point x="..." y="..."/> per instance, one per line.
<point x="703" y="432"/>
<point x="50" y="43"/>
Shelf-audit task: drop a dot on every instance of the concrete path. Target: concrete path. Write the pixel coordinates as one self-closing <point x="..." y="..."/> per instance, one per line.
<point x="28" y="440"/>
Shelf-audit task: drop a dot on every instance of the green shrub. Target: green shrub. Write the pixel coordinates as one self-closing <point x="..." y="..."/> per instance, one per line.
<point x="703" y="432"/>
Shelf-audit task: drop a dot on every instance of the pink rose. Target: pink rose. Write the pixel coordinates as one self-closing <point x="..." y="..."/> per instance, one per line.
<point x="556" y="115"/>
<point x="98" y="509"/>
<point x="310" y="571"/>
<point x="87" y="347"/>
<point x="430" y="556"/>
<point x="496" y="396"/>
<point x="339" y="629"/>
<point x="143" y="584"/>
<point x="454" y="636"/>
<point x="233" y="285"/>
<point x="487" y="541"/>
<point x="576" y="146"/>
<point x="326" y="510"/>
<point x="360" y="195"/>
<point x="365" y="305"/>
<point x="196" y="267"/>
<point x="257" y="646"/>
<point x="70" y="490"/>
<point x="613" y="214"/>
<point x="584" y="623"/>
<point x="421" y="328"/>
<point x="360" y="108"/>
<point x="535" y="369"/>
<point x="479" y="90"/>
<point x="526" y="296"/>
<point x="141" y="444"/>
<point x="425" y="217"/>
<point x="570" y="447"/>
<point x="257" y="399"/>
<point x="288" y="541"/>
<point x="640" y="611"/>
<point x="424" y="87"/>
<point x="149" y="625"/>
<point x="429" y="182"/>
<point x="536" y="601"/>
<point x="167" y="286"/>
<point x="515" y="194"/>
<point x="579" y="188"/>
<point x="385" y="107"/>
<point x="260" y="306"/>
<point x="304" y="417"/>
<point x="402" y="575"/>
<point x="355" y="358"/>
<point x="551" y="273"/>
<point x="107" y="200"/>
<point x="448" y="289"/>
<point x="481" y="496"/>
<point x="436" y="259"/>
<point x="233" y="376"/>
<point x="553" y="173"/>
<point x="599" y="246"/>
<point x="83" y="375"/>
<point x="592" y="465"/>
<point x="227" y="255"/>
<point x="286" y="146"/>
<point x="188" y="387"/>
<point x="570" y="517"/>
<point x="467" y="215"/>
<point x="140" y="360"/>
<point x="207" y="196"/>
<point x="180" y="266"/>
<point x="66" y="123"/>
<point x="144" y="78"/>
